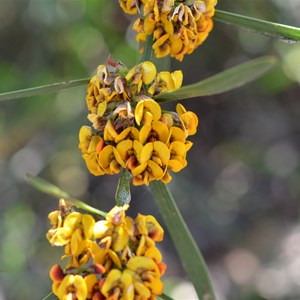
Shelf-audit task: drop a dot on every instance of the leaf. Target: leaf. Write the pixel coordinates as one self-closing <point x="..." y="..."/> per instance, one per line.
<point x="50" y="296"/>
<point x="165" y="297"/>
<point x="49" y="188"/>
<point x="224" y="81"/>
<point x="190" y="255"/>
<point x="44" y="89"/>
<point x="147" y="54"/>
<point x="279" y="31"/>
<point x="123" y="195"/>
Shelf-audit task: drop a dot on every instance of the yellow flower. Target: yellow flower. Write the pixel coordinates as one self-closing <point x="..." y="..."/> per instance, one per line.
<point x="166" y="82"/>
<point x="89" y="144"/>
<point x="127" y="122"/>
<point x="153" y="163"/>
<point x="126" y="264"/>
<point x="129" y="153"/>
<point x="118" y="285"/>
<point x="129" y="6"/>
<point x="107" y="160"/>
<point x="75" y="234"/>
<point x="157" y="131"/>
<point x="130" y="133"/>
<point x="93" y="286"/>
<point x="100" y="92"/>
<point x="149" y="231"/>
<point x="72" y="287"/>
<point x="144" y="72"/>
<point x="147" y="110"/>
<point x="57" y="275"/>
<point x="178" y="156"/>
<point x="146" y="276"/>
<point x="115" y="226"/>
<point x="188" y="118"/>
<point x="178" y="27"/>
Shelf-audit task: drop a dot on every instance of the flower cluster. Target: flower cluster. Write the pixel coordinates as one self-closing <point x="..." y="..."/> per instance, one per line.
<point x="177" y="27"/>
<point x="129" y="128"/>
<point x="116" y="258"/>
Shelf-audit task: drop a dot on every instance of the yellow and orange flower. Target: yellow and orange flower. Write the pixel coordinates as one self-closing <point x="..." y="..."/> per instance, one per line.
<point x="130" y="130"/>
<point x="178" y="27"/>
<point x="123" y="260"/>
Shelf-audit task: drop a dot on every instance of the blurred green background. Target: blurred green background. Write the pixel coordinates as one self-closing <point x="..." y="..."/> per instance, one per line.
<point x="240" y="192"/>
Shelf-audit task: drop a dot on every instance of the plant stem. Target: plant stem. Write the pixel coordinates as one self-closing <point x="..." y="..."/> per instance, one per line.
<point x="123" y="195"/>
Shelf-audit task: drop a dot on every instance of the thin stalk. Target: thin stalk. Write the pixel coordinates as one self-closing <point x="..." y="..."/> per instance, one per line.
<point x="190" y="255"/>
<point x="280" y="31"/>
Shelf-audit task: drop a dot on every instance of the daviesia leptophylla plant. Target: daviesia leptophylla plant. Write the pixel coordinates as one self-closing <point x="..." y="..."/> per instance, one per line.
<point x="117" y="257"/>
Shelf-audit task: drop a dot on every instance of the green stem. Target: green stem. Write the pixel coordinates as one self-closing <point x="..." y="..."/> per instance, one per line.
<point x="280" y="31"/>
<point x="123" y="195"/>
<point x="188" y="251"/>
<point x="44" y="89"/>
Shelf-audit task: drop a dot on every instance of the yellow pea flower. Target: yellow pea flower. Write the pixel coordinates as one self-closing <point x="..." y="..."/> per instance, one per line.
<point x="93" y="286"/>
<point x="129" y="6"/>
<point x="146" y="272"/>
<point x="153" y="163"/>
<point x="166" y="82"/>
<point x="188" y="118"/>
<point x="72" y="286"/>
<point x="130" y="153"/>
<point x="118" y="285"/>
<point x="157" y="131"/>
<point x="178" y="156"/>
<point x="107" y="160"/>
<point x="144" y="72"/>
<point x="88" y="143"/>
<point x="178" y="27"/>
<point x="144" y="106"/>
<point x="114" y="226"/>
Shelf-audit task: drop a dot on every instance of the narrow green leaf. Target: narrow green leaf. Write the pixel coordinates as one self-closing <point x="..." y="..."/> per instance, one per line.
<point x="50" y="296"/>
<point x="147" y="54"/>
<point x="191" y="257"/>
<point x="123" y="195"/>
<point x="44" y="89"/>
<point x="51" y="189"/>
<point x="280" y="31"/>
<point x="165" y="297"/>
<point x="224" y="81"/>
